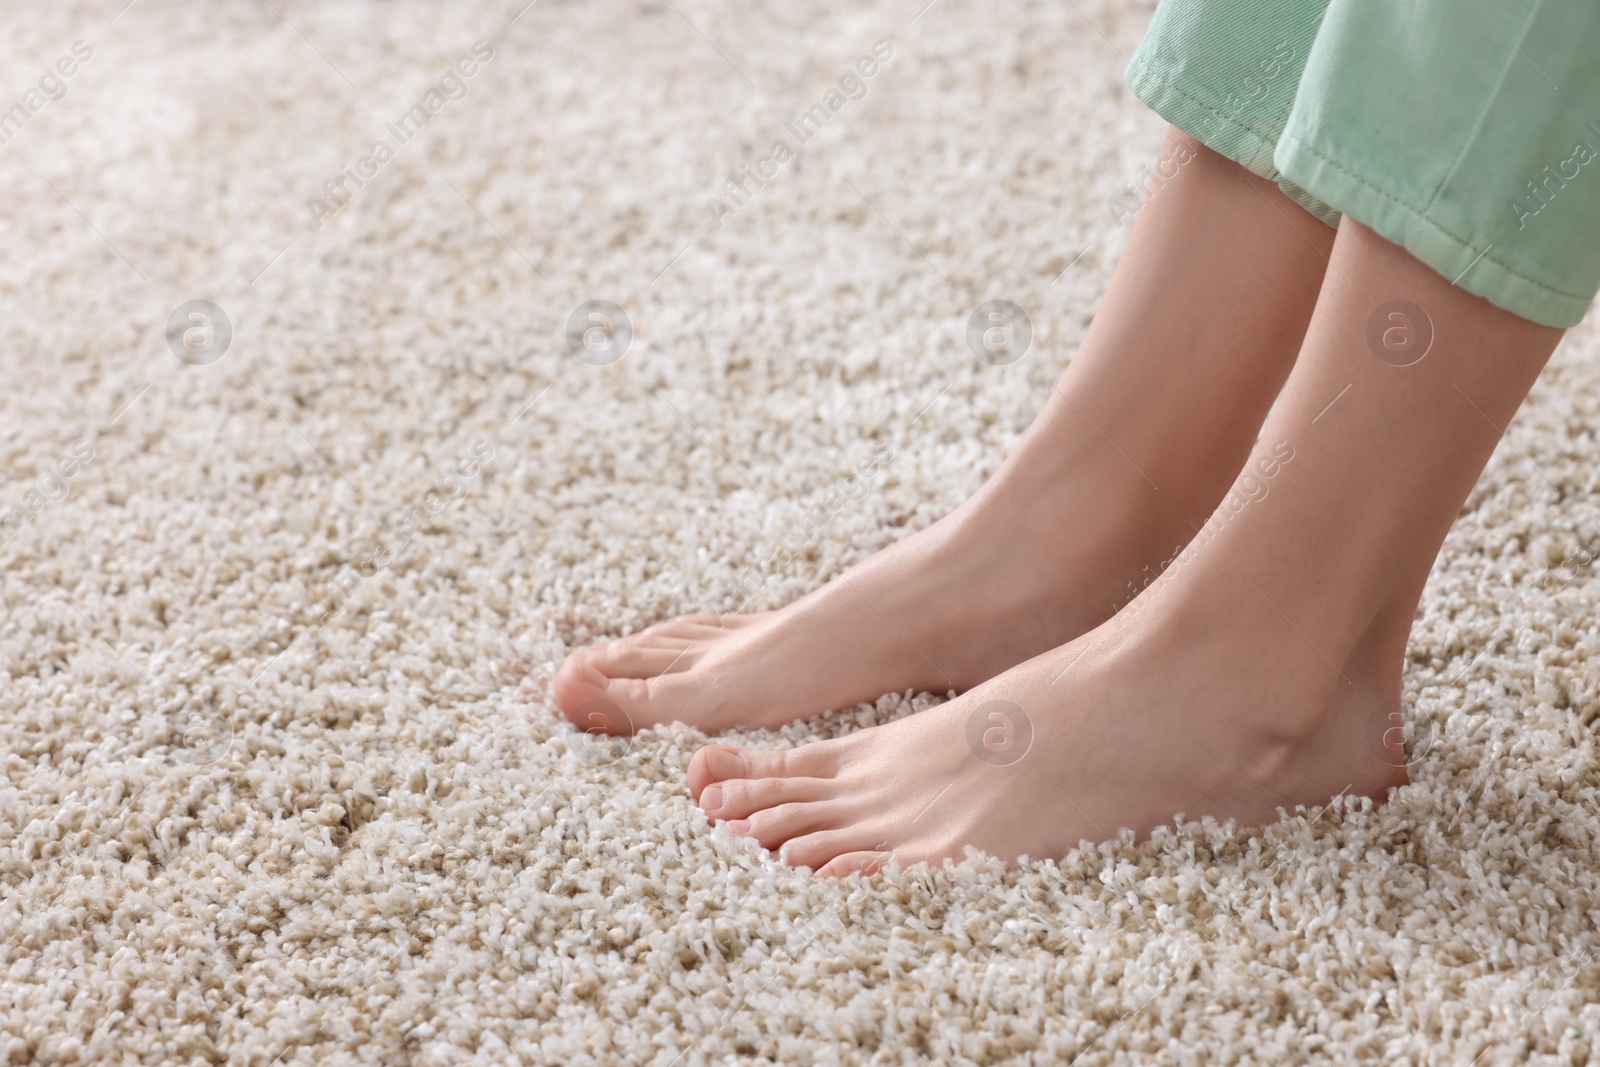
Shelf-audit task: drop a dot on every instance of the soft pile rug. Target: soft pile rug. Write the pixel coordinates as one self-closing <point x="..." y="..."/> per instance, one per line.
<point x="286" y="572"/>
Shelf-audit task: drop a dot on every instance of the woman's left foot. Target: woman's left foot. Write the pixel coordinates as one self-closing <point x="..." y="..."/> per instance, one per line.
<point x="1162" y="713"/>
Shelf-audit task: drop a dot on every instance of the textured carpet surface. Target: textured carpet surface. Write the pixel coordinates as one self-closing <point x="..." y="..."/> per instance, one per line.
<point x="282" y="782"/>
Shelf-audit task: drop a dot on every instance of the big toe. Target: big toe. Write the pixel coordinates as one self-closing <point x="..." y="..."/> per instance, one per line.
<point x="579" y="682"/>
<point x="597" y="704"/>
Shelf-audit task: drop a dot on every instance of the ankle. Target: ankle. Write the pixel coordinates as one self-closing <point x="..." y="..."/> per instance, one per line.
<point x="1234" y="647"/>
<point x="1078" y="499"/>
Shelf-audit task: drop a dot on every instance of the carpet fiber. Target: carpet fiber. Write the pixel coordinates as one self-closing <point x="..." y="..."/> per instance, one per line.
<point x="282" y="779"/>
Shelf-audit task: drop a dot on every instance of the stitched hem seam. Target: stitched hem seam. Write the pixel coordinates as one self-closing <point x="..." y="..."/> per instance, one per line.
<point x="1153" y="87"/>
<point x="1424" y="219"/>
<point x="1146" y="70"/>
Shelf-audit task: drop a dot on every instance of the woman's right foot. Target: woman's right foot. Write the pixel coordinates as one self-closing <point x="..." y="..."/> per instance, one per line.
<point x="1034" y="559"/>
<point x="1196" y="333"/>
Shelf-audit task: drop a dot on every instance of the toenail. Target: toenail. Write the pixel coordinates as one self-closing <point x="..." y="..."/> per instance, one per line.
<point x="711" y="797"/>
<point x="725" y="763"/>
<point x="739" y="826"/>
<point x="602" y="717"/>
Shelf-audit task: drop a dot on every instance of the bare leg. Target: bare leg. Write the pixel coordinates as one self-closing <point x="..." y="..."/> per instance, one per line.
<point x="1131" y="452"/>
<point x="1246" y="678"/>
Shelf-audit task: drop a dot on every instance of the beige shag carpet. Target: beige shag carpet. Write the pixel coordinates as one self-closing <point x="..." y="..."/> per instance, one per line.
<point x="282" y="782"/>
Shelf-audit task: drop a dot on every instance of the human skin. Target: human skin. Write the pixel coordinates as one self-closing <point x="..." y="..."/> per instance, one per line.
<point x="1132" y="450"/>
<point x="1247" y="679"/>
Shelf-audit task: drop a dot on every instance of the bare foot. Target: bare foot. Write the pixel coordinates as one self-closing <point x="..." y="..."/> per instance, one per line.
<point x="1127" y="727"/>
<point x="1220" y="691"/>
<point x="1038" y="556"/>
<point x="1133" y="450"/>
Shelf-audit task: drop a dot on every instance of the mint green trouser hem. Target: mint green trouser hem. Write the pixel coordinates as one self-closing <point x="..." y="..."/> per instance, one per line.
<point x="1474" y="269"/>
<point x="1225" y="134"/>
<point x="1466" y="133"/>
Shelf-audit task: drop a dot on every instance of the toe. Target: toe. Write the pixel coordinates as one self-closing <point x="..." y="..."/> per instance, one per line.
<point x="597" y="703"/>
<point x="718" y="763"/>
<point x="817" y="849"/>
<point x="641" y="657"/>
<point x="739" y="798"/>
<point x="715" y="763"/>
<point x="698" y="621"/>
<point x="774" y="827"/>
<point x="702" y="624"/>
<point x="864" y="863"/>
<point x="621" y="686"/>
<point x="578" y="682"/>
